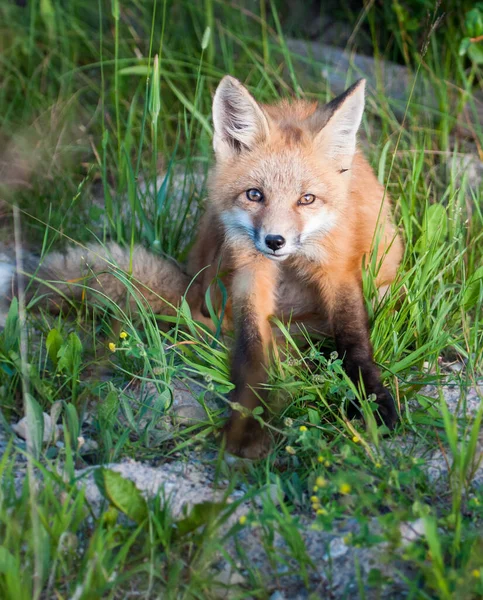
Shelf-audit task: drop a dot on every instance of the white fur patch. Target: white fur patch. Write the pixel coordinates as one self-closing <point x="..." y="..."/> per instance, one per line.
<point x="314" y="232"/>
<point x="238" y="224"/>
<point x="320" y="224"/>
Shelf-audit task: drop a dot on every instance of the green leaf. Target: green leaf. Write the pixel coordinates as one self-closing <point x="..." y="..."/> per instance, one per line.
<point x="475" y="52"/>
<point x="136" y="70"/>
<point x="70" y="355"/>
<point x="464" y="45"/>
<point x="215" y="375"/>
<point x="160" y="402"/>
<point x="474" y="289"/>
<point x="382" y="162"/>
<point x="48" y="16"/>
<point x="128" y="413"/>
<point x="53" y="344"/>
<point x="72" y="423"/>
<point x="412" y="358"/>
<point x="107" y="410"/>
<point x="314" y="416"/>
<point x="115" y="9"/>
<point x="434" y="542"/>
<point x="121" y="493"/>
<point x="8" y="564"/>
<point x="201" y="514"/>
<point x="206" y="38"/>
<point x="435" y="224"/>
<point x="11" y="332"/>
<point x="155" y="99"/>
<point x="35" y="425"/>
<point x="474" y="23"/>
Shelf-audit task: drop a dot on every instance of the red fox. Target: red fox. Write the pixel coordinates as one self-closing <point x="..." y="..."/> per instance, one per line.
<point x="293" y="211"/>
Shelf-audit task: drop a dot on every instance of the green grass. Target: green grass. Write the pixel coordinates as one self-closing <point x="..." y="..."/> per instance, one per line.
<point x="94" y="114"/>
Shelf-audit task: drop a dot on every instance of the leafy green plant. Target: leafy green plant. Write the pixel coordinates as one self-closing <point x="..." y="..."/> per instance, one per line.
<point x="471" y="45"/>
<point x="109" y="106"/>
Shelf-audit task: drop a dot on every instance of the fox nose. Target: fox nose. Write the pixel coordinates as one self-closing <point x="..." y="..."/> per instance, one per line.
<point x="275" y="242"/>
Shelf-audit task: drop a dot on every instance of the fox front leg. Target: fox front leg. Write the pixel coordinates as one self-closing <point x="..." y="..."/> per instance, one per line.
<point x="253" y="295"/>
<point x="352" y="337"/>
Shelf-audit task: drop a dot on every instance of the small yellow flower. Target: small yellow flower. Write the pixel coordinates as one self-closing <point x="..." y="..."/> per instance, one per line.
<point x="315" y="488"/>
<point x="314" y="499"/>
<point x="320" y="459"/>
<point x="378" y="465"/>
<point x="344" y="488"/>
<point x="315" y="507"/>
<point x="112" y="346"/>
<point x="123" y="335"/>
<point x="476" y="573"/>
<point x="356" y="439"/>
<point x="242" y="520"/>
<point x="321" y="482"/>
<point x="327" y="463"/>
<point x="302" y="428"/>
<point x="290" y="450"/>
<point x="321" y="511"/>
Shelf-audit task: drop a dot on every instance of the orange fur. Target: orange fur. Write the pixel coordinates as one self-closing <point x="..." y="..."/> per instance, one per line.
<point x="285" y="151"/>
<point x="322" y="202"/>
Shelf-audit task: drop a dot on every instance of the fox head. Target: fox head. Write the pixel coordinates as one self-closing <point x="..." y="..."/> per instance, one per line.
<point x="282" y="173"/>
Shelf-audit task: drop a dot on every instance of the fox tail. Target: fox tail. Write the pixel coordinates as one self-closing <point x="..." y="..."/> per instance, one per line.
<point x="110" y="273"/>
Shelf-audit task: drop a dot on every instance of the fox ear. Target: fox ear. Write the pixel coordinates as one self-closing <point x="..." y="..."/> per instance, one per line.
<point x="342" y="117"/>
<point x="238" y="119"/>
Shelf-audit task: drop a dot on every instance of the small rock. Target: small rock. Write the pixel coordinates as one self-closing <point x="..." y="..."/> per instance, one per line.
<point x="468" y="165"/>
<point x="458" y="404"/>
<point x="411" y="531"/>
<point x="50" y="429"/>
<point x="337" y="65"/>
<point x="229" y="577"/>
<point x="181" y="484"/>
<point x="337" y="548"/>
<point x="470" y="119"/>
<point x="89" y="446"/>
<point x="186" y="410"/>
<point x="271" y="492"/>
<point x="277" y="596"/>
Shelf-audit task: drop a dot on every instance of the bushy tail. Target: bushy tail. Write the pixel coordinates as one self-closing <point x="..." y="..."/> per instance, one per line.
<point x="111" y="273"/>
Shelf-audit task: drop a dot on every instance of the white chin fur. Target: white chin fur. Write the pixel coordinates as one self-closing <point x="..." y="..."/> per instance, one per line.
<point x="276" y="257"/>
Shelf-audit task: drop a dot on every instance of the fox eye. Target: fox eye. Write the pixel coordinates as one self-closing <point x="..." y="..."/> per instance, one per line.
<point x="307" y="199"/>
<point x="254" y="195"/>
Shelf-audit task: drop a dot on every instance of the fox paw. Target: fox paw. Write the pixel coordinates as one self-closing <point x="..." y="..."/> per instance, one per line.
<point x="386" y="413"/>
<point x="246" y="438"/>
